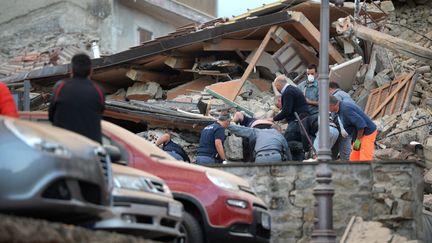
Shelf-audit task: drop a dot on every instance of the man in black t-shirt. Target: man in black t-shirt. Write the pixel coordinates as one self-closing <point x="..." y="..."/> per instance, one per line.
<point x="77" y="103"/>
<point x="174" y="149"/>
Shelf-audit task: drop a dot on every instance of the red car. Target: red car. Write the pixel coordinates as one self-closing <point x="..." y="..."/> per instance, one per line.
<point x="219" y="207"/>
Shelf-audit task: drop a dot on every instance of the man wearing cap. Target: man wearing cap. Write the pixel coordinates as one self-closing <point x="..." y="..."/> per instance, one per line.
<point x="210" y="149"/>
<point x="270" y="144"/>
<point x="359" y="126"/>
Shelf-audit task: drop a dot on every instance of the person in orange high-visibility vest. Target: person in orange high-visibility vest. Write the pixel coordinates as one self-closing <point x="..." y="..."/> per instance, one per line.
<point x="7" y="103"/>
<point x="359" y="126"/>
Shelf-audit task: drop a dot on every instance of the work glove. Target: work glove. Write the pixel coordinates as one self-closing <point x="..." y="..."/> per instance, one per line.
<point x="357" y="144"/>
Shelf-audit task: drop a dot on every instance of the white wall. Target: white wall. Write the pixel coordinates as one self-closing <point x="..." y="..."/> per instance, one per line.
<point x="126" y="24"/>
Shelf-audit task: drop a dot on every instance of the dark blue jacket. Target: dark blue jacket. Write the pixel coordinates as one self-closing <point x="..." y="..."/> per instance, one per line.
<point x="171" y="146"/>
<point x="293" y="100"/>
<point x="354" y="119"/>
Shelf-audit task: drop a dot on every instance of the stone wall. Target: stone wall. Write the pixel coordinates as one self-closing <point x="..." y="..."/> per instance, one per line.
<point x="388" y="192"/>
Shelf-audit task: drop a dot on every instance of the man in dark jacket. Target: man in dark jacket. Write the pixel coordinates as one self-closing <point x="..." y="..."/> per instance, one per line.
<point x="174" y="149"/>
<point x="292" y="101"/>
<point x="77" y="103"/>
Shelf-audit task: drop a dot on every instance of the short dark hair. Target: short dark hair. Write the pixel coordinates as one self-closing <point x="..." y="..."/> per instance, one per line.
<point x="312" y="66"/>
<point x="333" y="100"/>
<point x="333" y="85"/>
<point x="81" y="65"/>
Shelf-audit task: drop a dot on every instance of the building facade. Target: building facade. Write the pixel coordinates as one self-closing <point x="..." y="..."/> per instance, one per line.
<point x="38" y="25"/>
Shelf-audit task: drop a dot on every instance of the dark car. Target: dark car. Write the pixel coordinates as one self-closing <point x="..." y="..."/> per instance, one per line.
<point x="142" y="205"/>
<point x="52" y="173"/>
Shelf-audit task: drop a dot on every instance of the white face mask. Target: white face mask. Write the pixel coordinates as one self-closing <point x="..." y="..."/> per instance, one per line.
<point x="311" y="78"/>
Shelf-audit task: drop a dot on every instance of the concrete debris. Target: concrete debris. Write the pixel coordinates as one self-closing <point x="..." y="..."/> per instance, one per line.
<point x="233" y="146"/>
<point x="370" y="231"/>
<point x="144" y="91"/>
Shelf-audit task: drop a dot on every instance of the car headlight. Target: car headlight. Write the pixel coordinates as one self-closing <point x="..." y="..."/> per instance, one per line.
<point x="139" y="183"/>
<point x="36" y="140"/>
<point x="221" y="182"/>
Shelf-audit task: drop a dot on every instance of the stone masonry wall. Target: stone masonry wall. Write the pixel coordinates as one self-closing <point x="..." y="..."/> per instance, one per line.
<point x="389" y="192"/>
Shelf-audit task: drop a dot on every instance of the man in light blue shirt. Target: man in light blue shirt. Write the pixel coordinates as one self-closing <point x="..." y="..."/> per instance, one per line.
<point x="270" y="144"/>
<point x="309" y="88"/>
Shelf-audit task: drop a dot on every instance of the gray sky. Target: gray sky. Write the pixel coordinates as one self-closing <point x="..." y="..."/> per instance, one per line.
<point x="227" y="8"/>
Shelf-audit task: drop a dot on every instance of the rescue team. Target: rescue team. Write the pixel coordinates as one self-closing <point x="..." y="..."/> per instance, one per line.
<point x="352" y="132"/>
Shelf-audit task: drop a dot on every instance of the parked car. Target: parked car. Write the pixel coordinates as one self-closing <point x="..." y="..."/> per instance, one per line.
<point x="51" y="173"/>
<point x="218" y="206"/>
<point x="142" y="205"/>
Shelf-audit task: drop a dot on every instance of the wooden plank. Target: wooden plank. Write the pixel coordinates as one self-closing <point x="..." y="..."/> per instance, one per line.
<point x="254" y="60"/>
<point x="229" y="102"/>
<point x="239" y="45"/>
<point x="312" y="35"/>
<point x="391" y="96"/>
<point x="196" y="85"/>
<point x="398" y="45"/>
<point x="230" y="90"/>
<point x="179" y="62"/>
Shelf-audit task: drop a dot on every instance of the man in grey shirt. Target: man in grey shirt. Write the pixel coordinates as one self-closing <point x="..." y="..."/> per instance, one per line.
<point x="341" y="95"/>
<point x="270" y="144"/>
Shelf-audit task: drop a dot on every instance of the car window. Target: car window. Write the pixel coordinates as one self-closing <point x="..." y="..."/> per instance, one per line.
<point x="123" y="152"/>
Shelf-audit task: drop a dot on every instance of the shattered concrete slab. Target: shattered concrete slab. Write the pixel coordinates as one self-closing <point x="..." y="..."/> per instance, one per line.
<point x="359" y="231"/>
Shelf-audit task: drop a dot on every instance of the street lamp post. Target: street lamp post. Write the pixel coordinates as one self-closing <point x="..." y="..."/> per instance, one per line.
<point x="323" y="192"/>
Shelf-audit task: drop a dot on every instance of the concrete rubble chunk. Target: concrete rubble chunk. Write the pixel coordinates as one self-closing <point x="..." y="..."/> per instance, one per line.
<point x="423" y="69"/>
<point x="144" y="91"/>
<point x="360" y="231"/>
<point x="233" y="148"/>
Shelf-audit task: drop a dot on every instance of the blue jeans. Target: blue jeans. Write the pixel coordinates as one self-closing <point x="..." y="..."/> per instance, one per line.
<point x="205" y="160"/>
<point x="175" y="155"/>
<point x="345" y="148"/>
<point x="334" y="134"/>
<point x="267" y="157"/>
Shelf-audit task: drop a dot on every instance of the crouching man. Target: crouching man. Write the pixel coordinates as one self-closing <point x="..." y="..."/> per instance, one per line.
<point x="359" y="126"/>
<point x="210" y="149"/>
<point x="270" y="144"/>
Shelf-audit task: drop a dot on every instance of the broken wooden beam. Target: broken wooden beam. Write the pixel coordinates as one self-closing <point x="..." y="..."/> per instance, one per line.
<point x="348" y="28"/>
<point x="197" y="84"/>
<point x="312" y="35"/>
<point x="253" y="62"/>
<point x="230" y="90"/>
<point x="239" y="45"/>
<point x="226" y="100"/>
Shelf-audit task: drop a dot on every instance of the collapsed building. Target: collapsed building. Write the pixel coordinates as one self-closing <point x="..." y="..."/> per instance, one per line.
<point x="230" y="63"/>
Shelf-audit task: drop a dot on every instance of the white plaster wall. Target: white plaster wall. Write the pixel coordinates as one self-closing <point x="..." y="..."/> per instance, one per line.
<point x="126" y="23"/>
